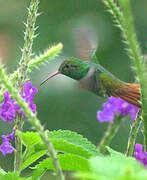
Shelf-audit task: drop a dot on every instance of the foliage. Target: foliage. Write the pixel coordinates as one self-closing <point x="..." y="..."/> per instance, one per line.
<point x="116" y="168"/>
<point x="64" y="150"/>
<point x="74" y="145"/>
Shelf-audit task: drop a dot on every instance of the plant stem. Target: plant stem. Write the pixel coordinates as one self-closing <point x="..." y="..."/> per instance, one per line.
<point x="50" y="53"/>
<point x="110" y="133"/>
<point x="133" y="134"/>
<point x="138" y="61"/>
<point x="29" y="36"/>
<point x="124" y="20"/>
<point x="34" y="122"/>
<point x="18" y="145"/>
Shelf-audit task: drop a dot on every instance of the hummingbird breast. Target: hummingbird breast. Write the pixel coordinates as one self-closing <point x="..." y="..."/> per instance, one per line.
<point x="92" y="82"/>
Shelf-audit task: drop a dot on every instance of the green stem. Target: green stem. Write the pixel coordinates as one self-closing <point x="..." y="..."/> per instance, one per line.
<point x="123" y="18"/>
<point x="133" y="134"/>
<point x="25" y="153"/>
<point x="46" y="56"/>
<point x="137" y="57"/>
<point x="34" y="122"/>
<point x="110" y="133"/>
<point x="18" y="154"/>
<point x="29" y="36"/>
<point x="18" y="144"/>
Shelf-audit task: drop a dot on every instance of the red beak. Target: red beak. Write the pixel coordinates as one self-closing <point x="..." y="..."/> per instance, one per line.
<point x="52" y="75"/>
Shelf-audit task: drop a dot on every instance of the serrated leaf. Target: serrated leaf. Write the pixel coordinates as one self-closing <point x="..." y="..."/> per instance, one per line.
<point x="74" y="138"/>
<point x="68" y="162"/>
<point x="32" y="159"/>
<point x="63" y="140"/>
<point x="66" y="147"/>
<point x="79" y="145"/>
<point x="29" y="139"/>
<point x="61" y="145"/>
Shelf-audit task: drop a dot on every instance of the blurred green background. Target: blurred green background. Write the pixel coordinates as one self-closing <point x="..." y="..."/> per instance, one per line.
<point x="60" y="103"/>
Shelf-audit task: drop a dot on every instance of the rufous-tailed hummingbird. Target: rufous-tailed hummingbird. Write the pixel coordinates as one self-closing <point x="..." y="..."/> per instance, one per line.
<point x="102" y="82"/>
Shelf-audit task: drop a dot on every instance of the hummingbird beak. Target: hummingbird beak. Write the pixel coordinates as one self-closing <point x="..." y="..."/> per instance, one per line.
<point x="52" y="75"/>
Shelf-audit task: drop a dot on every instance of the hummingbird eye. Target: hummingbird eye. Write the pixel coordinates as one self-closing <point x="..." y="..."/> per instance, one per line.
<point x="68" y="65"/>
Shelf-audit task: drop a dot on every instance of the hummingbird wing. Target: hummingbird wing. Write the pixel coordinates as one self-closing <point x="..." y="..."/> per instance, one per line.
<point x="86" y="42"/>
<point x="130" y="93"/>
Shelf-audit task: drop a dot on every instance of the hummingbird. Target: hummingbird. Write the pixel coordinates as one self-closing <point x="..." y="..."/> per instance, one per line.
<point x="102" y="82"/>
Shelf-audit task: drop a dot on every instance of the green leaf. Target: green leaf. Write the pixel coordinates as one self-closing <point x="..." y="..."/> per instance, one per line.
<point x="116" y="166"/>
<point x="113" y="153"/>
<point x="29" y="139"/>
<point x="68" y="162"/>
<point x="10" y="176"/>
<point x="75" y="139"/>
<point x="2" y="172"/>
<point x="28" y="152"/>
<point x="36" y="175"/>
<point x="91" y="176"/>
<point x="32" y="159"/>
<point x="88" y="175"/>
<point x="63" y="141"/>
<point x="62" y="145"/>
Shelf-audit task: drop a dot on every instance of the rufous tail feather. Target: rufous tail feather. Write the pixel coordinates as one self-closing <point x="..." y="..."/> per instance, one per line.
<point x="130" y="93"/>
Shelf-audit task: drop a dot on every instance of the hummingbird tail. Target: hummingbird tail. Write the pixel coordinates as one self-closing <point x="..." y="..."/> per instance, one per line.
<point x="130" y="93"/>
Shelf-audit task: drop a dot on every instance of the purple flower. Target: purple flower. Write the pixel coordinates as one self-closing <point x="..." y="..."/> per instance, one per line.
<point x="9" y="108"/>
<point x="28" y="94"/>
<point x="116" y="106"/>
<point x="107" y="114"/>
<point x="140" y="155"/>
<point x="29" y="90"/>
<point x="6" y="147"/>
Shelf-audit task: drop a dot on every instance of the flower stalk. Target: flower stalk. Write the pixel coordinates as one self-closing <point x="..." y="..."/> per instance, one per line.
<point x="135" y="53"/>
<point x="18" y="152"/>
<point x="47" y="55"/>
<point x="29" y="36"/>
<point x="133" y="134"/>
<point x="124" y="20"/>
<point x="113" y="128"/>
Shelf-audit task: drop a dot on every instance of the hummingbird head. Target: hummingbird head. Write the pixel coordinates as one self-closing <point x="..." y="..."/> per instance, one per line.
<point x="72" y="68"/>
